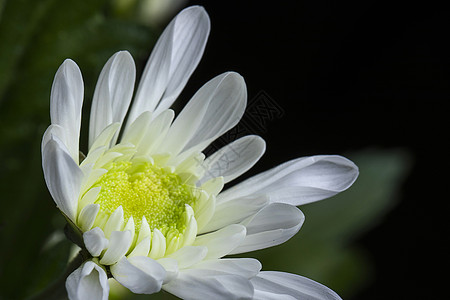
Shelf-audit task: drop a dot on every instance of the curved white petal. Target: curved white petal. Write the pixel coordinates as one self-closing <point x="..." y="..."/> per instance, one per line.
<point x="89" y="281"/>
<point x="271" y="226"/>
<point x="119" y="243"/>
<point x="281" y="284"/>
<point x="140" y="274"/>
<point x="223" y="241"/>
<point x="115" y="222"/>
<point x="54" y="130"/>
<point x="87" y="216"/>
<point x="174" y="58"/>
<point x="215" y="108"/>
<point x="245" y="267"/>
<point x="209" y="284"/>
<point x="95" y="241"/>
<point x="299" y="181"/>
<point x="66" y="100"/>
<point x="189" y="255"/>
<point x="234" y="159"/>
<point x="263" y="295"/>
<point x="235" y="211"/>
<point x="112" y="94"/>
<point x="155" y="133"/>
<point x="171" y="267"/>
<point x="62" y="176"/>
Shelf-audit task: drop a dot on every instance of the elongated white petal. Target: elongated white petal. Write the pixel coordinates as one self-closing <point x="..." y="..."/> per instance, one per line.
<point x="223" y="241"/>
<point x="204" y="214"/>
<point x="234" y="159"/>
<point x="263" y="295"/>
<point x="140" y="274"/>
<point x="137" y="130"/>
<point x="112" y="94"/>
<point x="89" y="281"/>
<point x="189" y="255"/>
<point x="235" y="211"/>
<point x="171" y="267"/>
<point x="95" y="241"/>
<point x="156" y="133"/>
<point x="66" y="100"/>
<point x="271" y="226"/>
<point x="62" y="176"/>
<point x="142" y="248"/>
<point x="158" y="245"/>
<point x="213" y="110"/>
<point x="299" y="181"/>
<point x="245" y="267"/>
<point x="209" y="284"/>
<point x="119" y="243"/>
<point x="87" y="216"/>
<point x="103" y="141"/>
<point x="115" y="222"/>
<point x="298" y="287"/>
<point x="54" y="130"/>
<point x="144" y="231"/>
<point x="174" y="58"/>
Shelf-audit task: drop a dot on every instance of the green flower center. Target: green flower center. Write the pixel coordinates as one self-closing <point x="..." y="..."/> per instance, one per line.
<point x="143" y="189"/>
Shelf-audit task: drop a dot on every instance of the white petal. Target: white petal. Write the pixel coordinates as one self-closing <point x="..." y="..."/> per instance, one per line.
<point x="89" y="281"/>
<point x="213" y="110"/>
<point x="156" y="133"/>
<point x="158" y="245"/>
<point x="174" y="58"/>
<point x="263" y="295"/>
<point x="95" y="241"/>
<point x="63" y="177"/>
<point x="137" y="130"/>
<point x="88" y="198"/>
<point x="234" y="159"/>
<point x="223" y="241"/>
<point x="140" y="274"/>
<point x="245" y="267"/>
<point x="142" y="248"/>
<point x="144" y="231"/>
<point x="66" y="100"/>
<point x="112" y="94"/>
<point x="87" y="216"/>
<point x="119" y="243"/>
<point x="209" y="284"/>
<point x="115" y="222"/>
<point x="54" y="130"/>
<point x="271" y="226"/>
<point x="298" y="287"/>
<point x="189" y="255"/>
<point x="171" y="267"/>
<point x="204" y="214"/>
<point x="299" y="181"/>
<point x="213" y="186"/>
<point x="235" y="211"/>
<point x="103" y="141"/>
<point x="191" y="227"/>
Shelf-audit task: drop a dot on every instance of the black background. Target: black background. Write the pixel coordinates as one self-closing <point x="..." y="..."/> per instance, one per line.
<point x="352" y="75"/>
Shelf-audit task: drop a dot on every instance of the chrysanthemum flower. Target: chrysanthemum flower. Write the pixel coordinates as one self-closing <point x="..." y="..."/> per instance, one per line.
<point x="148" y="207"/>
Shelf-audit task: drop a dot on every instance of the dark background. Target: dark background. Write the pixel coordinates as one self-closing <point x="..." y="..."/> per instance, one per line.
<point x="352" y="75"/>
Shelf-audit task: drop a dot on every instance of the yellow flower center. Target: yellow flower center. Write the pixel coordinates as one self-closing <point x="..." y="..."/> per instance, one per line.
<point x="143" y="189"/>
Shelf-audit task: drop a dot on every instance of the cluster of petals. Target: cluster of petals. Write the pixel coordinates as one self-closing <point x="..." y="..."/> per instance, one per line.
<point x="257" y="213"/>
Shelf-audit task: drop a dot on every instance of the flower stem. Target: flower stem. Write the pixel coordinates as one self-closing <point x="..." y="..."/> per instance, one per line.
<point x="57" y="290"/>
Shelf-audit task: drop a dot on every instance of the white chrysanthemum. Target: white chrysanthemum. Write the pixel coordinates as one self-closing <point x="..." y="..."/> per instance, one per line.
<point x="148" y="207"/>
